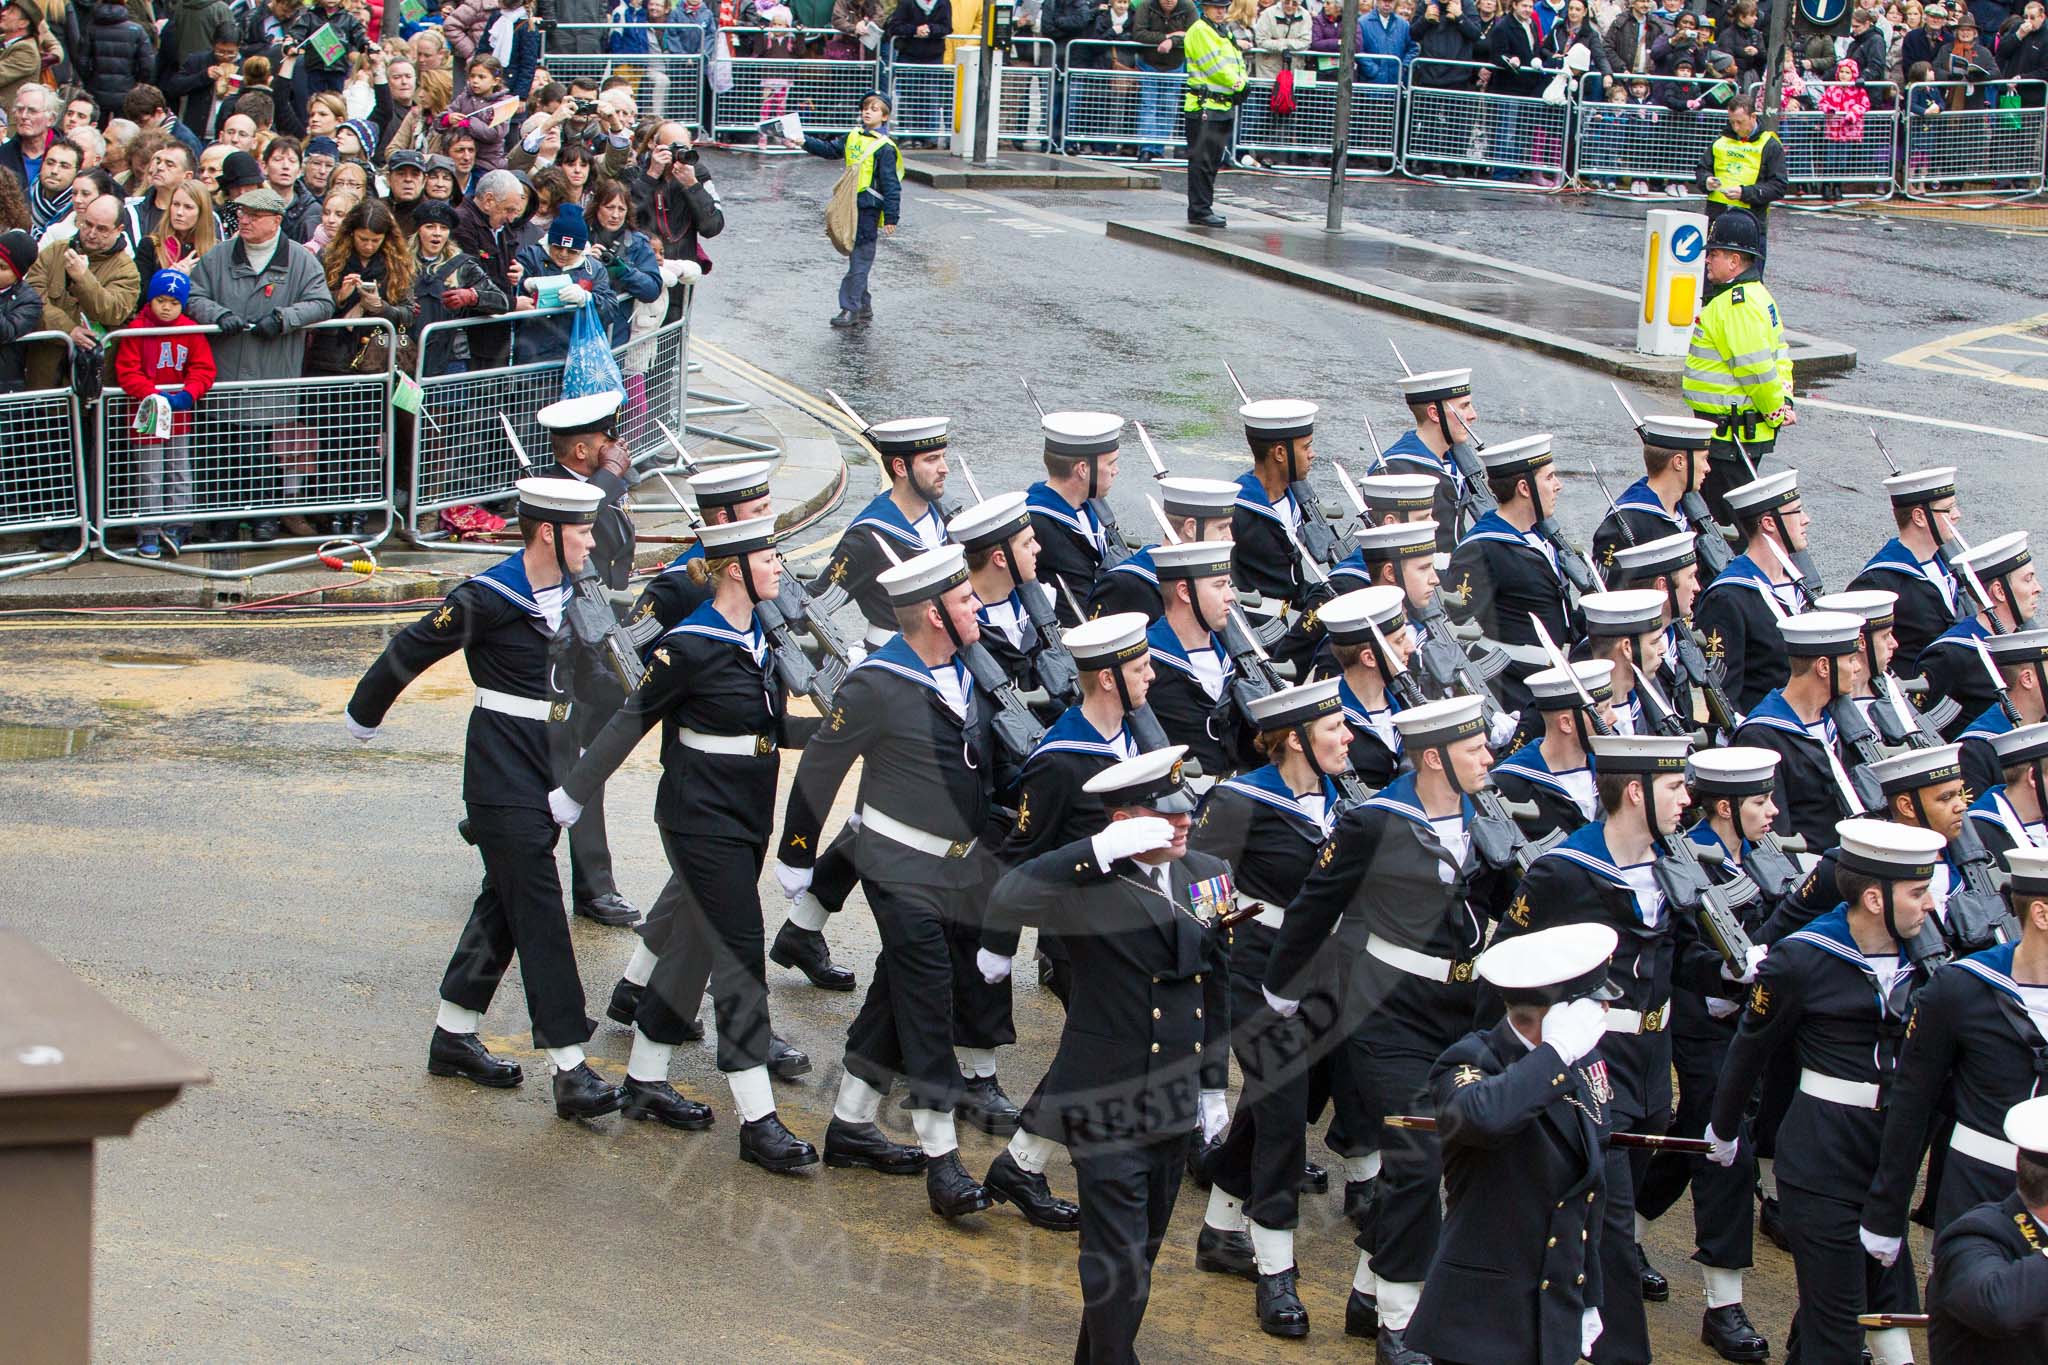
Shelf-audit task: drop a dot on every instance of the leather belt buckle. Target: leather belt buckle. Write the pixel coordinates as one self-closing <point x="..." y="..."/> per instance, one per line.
<point x="1461" y="971"/>
<point x="763" y="746"/>
<point x="559" y="712"/>
<point x="957" y="849"/>
<point x="1653" y="1022"/>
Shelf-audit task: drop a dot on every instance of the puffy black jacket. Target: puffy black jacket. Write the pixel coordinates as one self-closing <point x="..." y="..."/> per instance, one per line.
<point x="117" y="55"/>
<point x="21" y="312"/>
<point x="1447" y="40"/>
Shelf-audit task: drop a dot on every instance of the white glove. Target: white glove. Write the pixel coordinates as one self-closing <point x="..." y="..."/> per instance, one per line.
<point x="1724" y="1148"/>
<point x="1284" y="1008"/>
<point x="362" y="733"/>
<point x="1503" y="729"/>
<point x="1574" y="1028"/>
<point x="1717" y="1008"/>
<point x="1215" y="1115"/>
<point x="794" y="880"/>
<point x="1589" y="1331"/>
<point x="566" y="809"/>
<point x="1757" y="953"/>
<point x="992" y="968"/>
<point x="1128" y="838"/>
<point x="571" y="293"/>
<point x="1883" y="1250"/>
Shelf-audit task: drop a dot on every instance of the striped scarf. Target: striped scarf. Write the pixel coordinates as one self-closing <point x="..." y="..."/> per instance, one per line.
<point x="46" y="209"/>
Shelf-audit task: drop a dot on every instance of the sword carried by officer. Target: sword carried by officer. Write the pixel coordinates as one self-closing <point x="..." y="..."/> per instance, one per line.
<point x="1656" y="1142"/>
<point x="1116" y="546"/>
<point x="1709" y="544"/>
<point x="1320" y="538"/>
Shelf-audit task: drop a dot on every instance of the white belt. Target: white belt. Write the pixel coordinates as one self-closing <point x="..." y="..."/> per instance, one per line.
<point x="1635" y="1021"/>
<point x="874" y="637"/>
<point x="754" y="745"/>
<point x="1986" y="1148"/>
<point x="1418" y="964"/>
<point x="1835" y="1090"/>
<point x="526" y="708"/>
<point x="1268" y="914"/>
<point x="889" y="827"/>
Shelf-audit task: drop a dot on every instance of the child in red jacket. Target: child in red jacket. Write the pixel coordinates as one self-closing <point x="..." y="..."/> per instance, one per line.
<point x="180" y="369"/>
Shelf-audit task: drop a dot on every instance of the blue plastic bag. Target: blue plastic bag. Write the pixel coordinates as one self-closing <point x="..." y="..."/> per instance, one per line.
<point x="591" y="366"/>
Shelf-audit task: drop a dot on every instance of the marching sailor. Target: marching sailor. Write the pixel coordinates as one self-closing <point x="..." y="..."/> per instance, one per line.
<point x="2009" y="814"/>
<point x="1399" y="552"/>
<point x="1824" y="653"/>
<point x="1002" y="556"/>
<point x="1350" y="620"/>
<point x="1674" y="464"/>
<point x="1739" y="611"/>
<point x="1389" y="498"/>
<point x="913" y="453"/>
<point x="1266" y="527"/>
<point x="728" y="493"/>
<point x="1951" y="665"/>
<point x="1670" y="565"/>
<point x="1441" y="404"/>
<point x="1191" y="690"/>
<point x="1081" y="452"/>
<point x="1553" y="772"/>
<point x="1988" y="1293"/>
<point x="1628" y="630"/>
<point x="1505" y="571"/>
<point x="1197" y="509"/>
<point x="2021" y="659"/>
<point x="1911" y="563"/>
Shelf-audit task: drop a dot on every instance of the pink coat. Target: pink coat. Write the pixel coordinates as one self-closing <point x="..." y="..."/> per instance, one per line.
<point x="1846" y="103"/>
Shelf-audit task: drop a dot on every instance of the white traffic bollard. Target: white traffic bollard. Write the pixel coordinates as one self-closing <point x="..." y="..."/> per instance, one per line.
<point x="1674" y="276"/>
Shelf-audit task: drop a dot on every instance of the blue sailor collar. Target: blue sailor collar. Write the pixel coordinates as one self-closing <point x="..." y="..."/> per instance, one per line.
<point x="707" y="621"/>
<point x="1894" y="557"/>
<point x="1494" y="526"/>
<point x="1703" y="835"/>
<point x="1529" y="764"/>
<point x="1074" y="733"/>
<point x="1267" y="786"/>
<point x="1992" y="722"/>
<point x="1744" y="572"/>
<point x="1640" y="497"/>
<point x="1044" y="499"/>
<point x="1777" y="713"/>
<point x="885" y="516"/>
<point x="899" y="658"/>
<point x="1410" y="450"/>
<point x="508" y="579"/>
<point x="1167" y="648"/>
<point x="1962" y="632"/>
<point x="1356" y="712"/>
<point x="1587" y="846"/>
<point x="1140" y="565"/>
<point x="1830" y="933"/>
<point x="1993" y="966"/>
<point x="682" y="562"/>
<point x="1399" y="798"/>
<point x="1251" y="495"/>
<point x="1353" y="565"/>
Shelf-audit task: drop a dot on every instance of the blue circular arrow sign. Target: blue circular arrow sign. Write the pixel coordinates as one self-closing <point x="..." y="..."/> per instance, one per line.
<point x="1824" y="13"/>
<point x="1686" y="243"/>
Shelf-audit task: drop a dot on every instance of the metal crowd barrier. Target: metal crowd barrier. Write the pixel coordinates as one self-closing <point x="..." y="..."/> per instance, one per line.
<point x="251" y="451"/>
<point x="1957" y="151"/>
<point x="1861" y="165"/>
<point x="1120" y="112"/>
<point x="1621" y="144"/>
<point x="923" y="95"/>
<point x="825" y="92"/>
<point x="1028" y="92"/>
<point x="1465" y="134"/>
<point x="1311" y="130"/>
<point x="667" y="84"/>
<point x="42" y="471"/>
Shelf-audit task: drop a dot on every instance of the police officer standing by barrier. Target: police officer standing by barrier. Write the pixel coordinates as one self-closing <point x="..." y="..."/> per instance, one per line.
<point x="1738" y="372"/>
<point x="1216" y="85"/>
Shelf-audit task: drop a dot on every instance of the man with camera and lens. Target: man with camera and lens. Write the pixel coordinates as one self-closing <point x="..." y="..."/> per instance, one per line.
<point x="674" y="201"/>
<point x="602" y="125"/>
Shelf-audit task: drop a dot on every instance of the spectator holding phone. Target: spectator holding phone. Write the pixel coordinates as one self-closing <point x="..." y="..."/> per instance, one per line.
<point x="448" y="283"/>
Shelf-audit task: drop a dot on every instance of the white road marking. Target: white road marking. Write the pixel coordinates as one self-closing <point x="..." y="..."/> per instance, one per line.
<point x="1831" y="406"/>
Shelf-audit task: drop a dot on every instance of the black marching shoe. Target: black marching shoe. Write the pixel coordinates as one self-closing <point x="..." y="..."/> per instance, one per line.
<point x="1771" y="1224"/>
<point x="785" y="1063"/>
<point x="1314" y="1180"/>
<point x="1362" y="1315"/>
<point x="625" y="1007"/>
<point x="612" y="910"/>
<point x="1728" y="1331"/>
<point x="843" y="319"/>
<point x="772" y="1147"/>
<point x="1392" y="1350"/>
<point x="1226" y="1253"/>
<point x="866" y="312"/>
<point x="1009" y="1183"/>
<point x="864" y="1145"/>
<point x="805" y="950"/>
<point x="953" y="1192"/>
<point x="461" y="1054"/>
<point x="1358" y="1198"/>
<point x="658" y="1100"/>
<point x="1280" y="1310"/>
<point x="1210" y="219"/>
<point x="983" y="1105"/>
<point x="1656" y="1289"/>
<point x="581" y="1093"/>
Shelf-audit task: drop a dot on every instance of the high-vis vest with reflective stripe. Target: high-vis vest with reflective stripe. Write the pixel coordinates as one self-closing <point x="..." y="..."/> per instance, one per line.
<point x="1214" y="69"/>
<point x="863" y="147"/>
<point x="1737" y="163"/>
<point x="1738" y="361"/>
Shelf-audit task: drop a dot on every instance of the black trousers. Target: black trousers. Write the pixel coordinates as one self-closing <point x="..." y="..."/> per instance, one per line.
<point x="1127" y="1196"/>
<point x="1725" y="469"/>
<point x="905" y="1023"/>
<point x="1837" y="1278"/>
<point x="1266" y="1145"/>
<point x="1407" y="1216"/>
<point x="685" y="994"/>
<point x="717" y="921"/>
<point x="1208" y="138"/>
<point x="590" y="853"/>
<point x="1723" y="1197"/>
<point x="519" y="910"/>
<point x="981" y="1012"/>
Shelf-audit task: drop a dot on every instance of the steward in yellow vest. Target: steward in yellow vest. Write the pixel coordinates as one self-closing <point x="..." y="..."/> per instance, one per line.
<point x="1744" y="168"/>
<point x="878" y="162"/>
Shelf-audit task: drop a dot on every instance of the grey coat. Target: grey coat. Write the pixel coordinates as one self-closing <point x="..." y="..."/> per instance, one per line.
<point x="224" y="283"/>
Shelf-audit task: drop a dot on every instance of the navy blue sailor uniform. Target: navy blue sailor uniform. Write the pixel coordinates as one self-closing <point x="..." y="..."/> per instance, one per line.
<point x="1500" y="577"/>
<point x="1954" y="668"/>
<point x="1808" y="796"/>
<point x="1132" y="585"/>
<point x="723" y="713"/>
<point x="1408" y="455"/>
<point x="1981" y="769"/>
<point x="858" y="558"/>
<point x="1147" y="1030"/>
<point x="1191" y="696"/>
<point x="1010" y="638"/>
<point x="1928" y="595"/>
<point x="670" y="596"/>
<point x="1563" y="800"/>
<point x="1741" y="631"/>
<point x="1987" y="1296"/>
<point x="1071" y="547"/>
<point x="1999" y="826"/>
<point x="1375" y="745"/>
<point x="1638" y="517"/>
<point x="1264" y="557"/>
<point x="925" y="800"/>
<point x="1844" y="1018"/>
<point x="517" y="740"/>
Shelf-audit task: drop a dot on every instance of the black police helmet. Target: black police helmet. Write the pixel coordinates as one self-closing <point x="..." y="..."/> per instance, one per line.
<point x="1736" y="230"/>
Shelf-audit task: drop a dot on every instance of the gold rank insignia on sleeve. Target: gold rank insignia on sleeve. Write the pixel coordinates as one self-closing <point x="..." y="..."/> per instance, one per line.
<point x="838" y="573"/>
<point x="663" y="655"/>
<point x="1607" y="558"/>
<point x="1759" y="1000"/>
<point x="1024" y="814"/>
<point x="1467" y="1075"/>
<point x="646" y="610"/>
<point x="1308" y="619"/>
<point x="1717" y="649"/>
<point x="798" y="841"/>
<point x="444" y="617"/>
<point x="1328" y="855"/>
<point x="1812" y="880"/>
<point x="1519" y="911"/>
<point x="1464" y="590"/>
<point x="2025" y="1222"/>
<point x="838" y="719"/>
<point x="1912" y="1023"/>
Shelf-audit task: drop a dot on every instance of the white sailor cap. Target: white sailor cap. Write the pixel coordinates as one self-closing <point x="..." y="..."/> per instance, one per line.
<point x="1440" y="722"/>
<point x="1077" y="435"/>
<point x="1403" y="493"/>
<point x="1192" y="559"/>
<point x="989" y="523"/>
<point x="1417" y="389"/>
<point x="574" y="416"/>
<point x="1350" y="617"/>
<point x="1887" y="850"/>
<point x="2018" y="647"/>
<point x="1877" y="606"/>
<point x="1649" y="754"/>
<point x="1519" y="456"/>
<point x="1151" y="781"/>
<point x="1278" y="419"/>
<point x="1751" y="500"/>
<point x="2029" y="868"/>
<point x="1738" y="770"/>
<point x="1821" y="634"/>
<point x="1999" y="555"/>
<point x="566" y="502"/>
<point x="1917" y="768"/>
<point x="1292" y="706"/>
<point x="730" y="485"/>
<point x="1203" y="499"/>
<point x="2026" y="1123"/>
<point x="1392" y="543"/>
<point x="726" y="539"/>
<point x="908" y="436"/>
<point x="1108" y="641"/>
<point x="1551" y="966"/>
<point x="1652" y="559"/>
<point x="2021" y="744"/>
<point x="924" y="576"/>
<point x="1553" y="689"/>
<point x="1616" y="615"/>
<point x="1918" y="486"/>
<point x="1661" y="432"/>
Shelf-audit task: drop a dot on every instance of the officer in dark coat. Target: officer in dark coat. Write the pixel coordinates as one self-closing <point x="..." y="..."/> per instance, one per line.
<point x="1651" y="508"/>
<point x="1350" y="621"/>
<point x="907" y="515"/>
<point x="1912" y="564"/>
<point x="1191" y="687"/>
<point x="1952" y="665"/>
<point x="1824" y="663"/>
<point x="504" y="620"/>
<point x="1521" y="1110"/>
<point x="1988" y="1294"/>
<point x="1553" y="772"/>
<point x="1838" y="992"/>
<point x="1078" y="539"/>
<point x="1143" y="1061"/>
<point x="1441" y="403"/>
<point x="1267" y="525"/>
<point x="1197" y="509"/>
<point x="2021" y="658"/>
<point x="1738" y="613"/>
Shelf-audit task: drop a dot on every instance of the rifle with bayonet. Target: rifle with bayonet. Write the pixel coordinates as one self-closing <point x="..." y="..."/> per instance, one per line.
<point x="1321" y="541"/>
<point x="1474" y="498"/>
<point x="1116" y="546"/>
<point x="1708" y="542"/>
